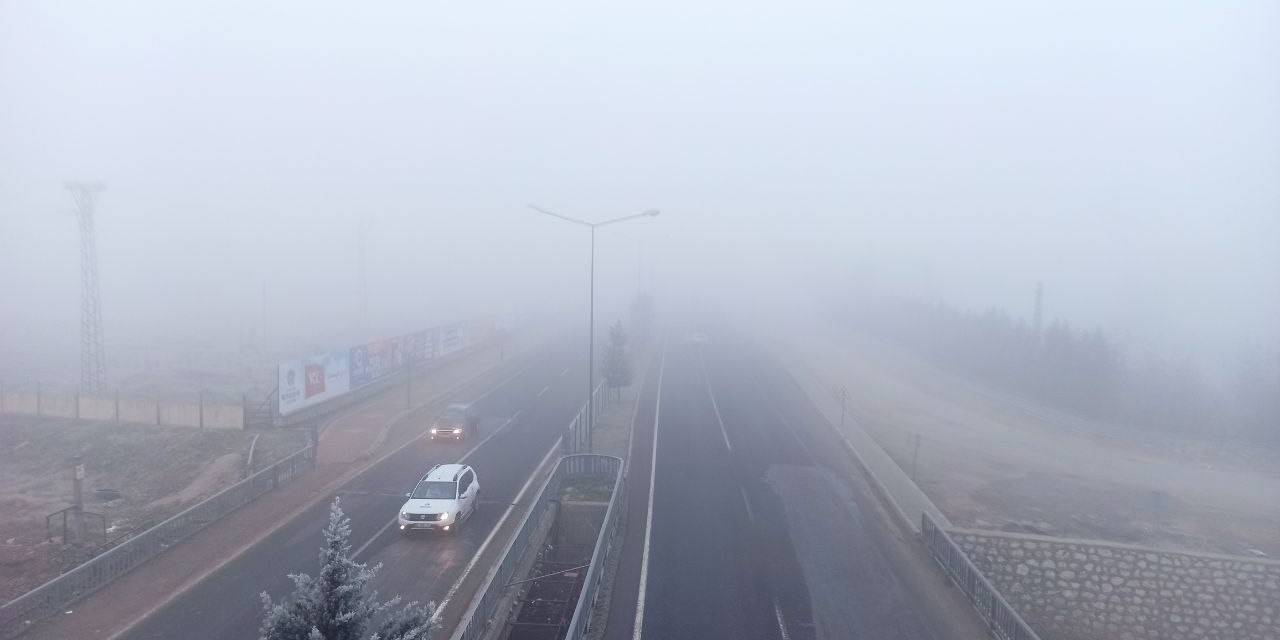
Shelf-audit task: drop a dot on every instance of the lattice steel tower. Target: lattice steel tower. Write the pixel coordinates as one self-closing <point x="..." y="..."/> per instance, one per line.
<point x="93" y="362"/>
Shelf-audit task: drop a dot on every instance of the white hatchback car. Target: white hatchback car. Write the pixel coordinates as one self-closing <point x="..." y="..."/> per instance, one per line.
<point x="442" y="499"/>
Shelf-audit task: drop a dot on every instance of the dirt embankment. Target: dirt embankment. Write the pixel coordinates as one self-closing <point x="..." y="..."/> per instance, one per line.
<point x="158" y="471"/>
<point x="992" y="460"/>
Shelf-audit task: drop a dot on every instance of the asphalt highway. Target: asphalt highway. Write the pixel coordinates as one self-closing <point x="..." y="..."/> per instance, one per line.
<point x="761" y="525"/>
<point x="524" y="415"/>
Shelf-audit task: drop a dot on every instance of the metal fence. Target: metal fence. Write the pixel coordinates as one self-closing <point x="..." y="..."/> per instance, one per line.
<point x="577" y="438"/>
<point x="490" y="607"/>
<point x="606" y="541"/>
<point x="53" y="596"/>
<point x="1004" y="622"/>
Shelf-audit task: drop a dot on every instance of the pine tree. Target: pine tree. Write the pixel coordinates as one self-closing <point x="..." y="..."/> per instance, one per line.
<point x="335" y="605"/>
<point x="617" y="367"/>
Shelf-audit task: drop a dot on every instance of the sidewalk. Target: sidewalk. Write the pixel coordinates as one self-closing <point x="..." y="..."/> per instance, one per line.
<point x="352" y="441"/>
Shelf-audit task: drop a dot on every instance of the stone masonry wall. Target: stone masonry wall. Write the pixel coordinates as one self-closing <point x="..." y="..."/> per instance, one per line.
<point x="1070" y="589"/>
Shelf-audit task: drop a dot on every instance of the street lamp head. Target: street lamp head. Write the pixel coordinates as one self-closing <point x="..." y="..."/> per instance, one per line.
<point x="652" y="213"/>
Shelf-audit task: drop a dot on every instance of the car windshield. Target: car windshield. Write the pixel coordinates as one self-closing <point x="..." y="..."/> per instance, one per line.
<point x="455" y="414"/>
<point x="435" y="490"/>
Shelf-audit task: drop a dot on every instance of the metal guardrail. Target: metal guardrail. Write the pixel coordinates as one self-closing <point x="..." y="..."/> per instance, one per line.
<point x="1004" y="622"/>
<point x="580" y="624"/>
<point x="488" y="609"/>
<point x="54" y="595"/>
<point x="577" y="439"/>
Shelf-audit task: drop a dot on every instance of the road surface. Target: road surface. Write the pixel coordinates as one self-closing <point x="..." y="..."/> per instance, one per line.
<point x="532" y="409"/>
<point x="761" y="525"/>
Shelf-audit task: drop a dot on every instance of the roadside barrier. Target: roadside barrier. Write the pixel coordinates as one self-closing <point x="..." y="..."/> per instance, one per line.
<point x="53" y="596"/>
<point x="1004" y="622"/>
<point x="489" y="610"/>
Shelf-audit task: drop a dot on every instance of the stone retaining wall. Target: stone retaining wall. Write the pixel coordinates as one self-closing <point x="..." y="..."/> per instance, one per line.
<point x="1069" y="589"/>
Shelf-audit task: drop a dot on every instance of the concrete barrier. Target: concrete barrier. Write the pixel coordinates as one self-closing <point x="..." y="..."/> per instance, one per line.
<point x="58" y="404"/>
<point x="138" y="410"/>
<point x="223" y="416"/>
<point x="180" y="414"/>
<point x="909" y="502"/>
<point x="20" y="401"/>
<point x="97" y="408"/>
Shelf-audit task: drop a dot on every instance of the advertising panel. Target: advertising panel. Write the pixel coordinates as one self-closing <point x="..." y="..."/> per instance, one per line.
<point x="453" y="338"/>
<point x="376" y="360"/>
<point x="312" y="380"/>
<point x="420" y="346"/>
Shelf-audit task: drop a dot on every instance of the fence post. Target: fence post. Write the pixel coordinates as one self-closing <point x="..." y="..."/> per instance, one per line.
<point x="117" y="414"/>
<point x="1" y="397"/>
<point x="157" y="412"/>
<point x="39" y="401"/>
<point x="201" y="419"/>
<point x="77" y="404"/>
<point x="244" y="410"/>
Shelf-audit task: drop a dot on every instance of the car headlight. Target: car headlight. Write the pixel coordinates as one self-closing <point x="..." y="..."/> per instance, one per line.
<point x="404" y="514"/>
<point x="434" y="431"/>
<point x="444" y="516"/>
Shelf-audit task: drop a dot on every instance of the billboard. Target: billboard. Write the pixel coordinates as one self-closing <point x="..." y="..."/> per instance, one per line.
<point x="308" y="381"/>
<point x="312" y="380"/>
<point x="453" y="338"/>
<point x="421" y="346"/>
<point x="376" y="360"/>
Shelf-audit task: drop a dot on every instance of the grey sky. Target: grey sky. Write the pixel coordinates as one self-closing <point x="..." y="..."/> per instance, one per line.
<point x="1127" y="155"/>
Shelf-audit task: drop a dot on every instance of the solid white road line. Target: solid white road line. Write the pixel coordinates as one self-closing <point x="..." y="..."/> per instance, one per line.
<point x="648" y="520"/>
<point x="747" y="503"/>
<point x="544" y="391"/>
<point x="782" y="622"/>
<point x="707" y="381"/>
<point x="453" y="590"/>
<point x="461" y="460"/>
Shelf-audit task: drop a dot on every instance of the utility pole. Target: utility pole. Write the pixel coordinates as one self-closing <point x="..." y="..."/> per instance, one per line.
<point x="264" y="321"/>
<point x="1037" y="318"/>
<point x="93" y="363"/>
<point x="362" y="235"/>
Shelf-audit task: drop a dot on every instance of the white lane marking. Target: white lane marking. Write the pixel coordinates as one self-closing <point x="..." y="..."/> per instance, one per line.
<point x="638" y="627"/>
<point x="747" y="503"/>
<point x="375" y="537"/>
<point x="566" y="370"/>
<point x="544" y="391"/>
<point x="288" y="518"/>
<point x="453" y="590"/>
<point x="707" y="381"/>
<point x="635" y="411"/>
<point x="460" y="461"/>
<point x="782" y="622"/>
<point x="787" y="423"/>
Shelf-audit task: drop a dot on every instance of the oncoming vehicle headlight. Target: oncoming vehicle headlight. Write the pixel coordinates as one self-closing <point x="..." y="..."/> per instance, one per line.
<point x="404" y="514"/>
<point x="444" y="516"/>
<point x="434" y="431"/>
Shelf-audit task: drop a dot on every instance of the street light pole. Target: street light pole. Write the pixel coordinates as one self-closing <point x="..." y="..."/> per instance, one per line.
<point x="591" y="304"/>
<point x="591" y="349"/>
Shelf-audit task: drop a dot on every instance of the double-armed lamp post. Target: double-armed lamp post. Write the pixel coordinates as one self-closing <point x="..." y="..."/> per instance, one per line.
<point x="591" y="325"/>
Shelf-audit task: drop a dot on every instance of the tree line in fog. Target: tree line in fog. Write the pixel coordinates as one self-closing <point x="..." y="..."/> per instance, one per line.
<point x="1082" y="371"/>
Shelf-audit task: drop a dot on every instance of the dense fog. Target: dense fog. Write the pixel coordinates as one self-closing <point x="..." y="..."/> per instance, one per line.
<point x="1124" y="156"/>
